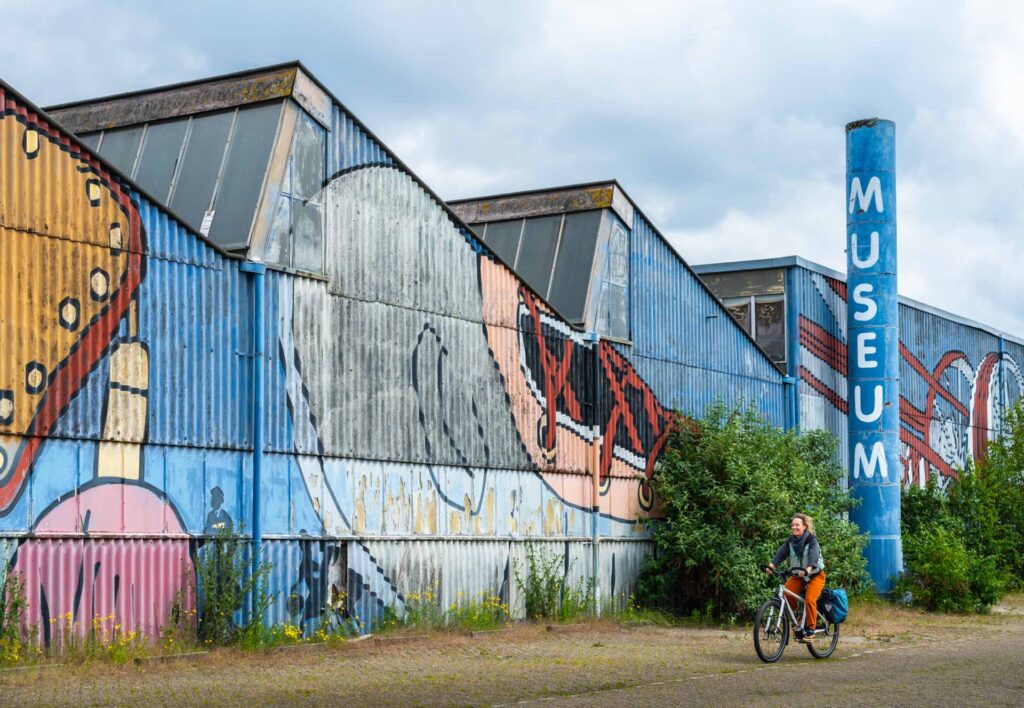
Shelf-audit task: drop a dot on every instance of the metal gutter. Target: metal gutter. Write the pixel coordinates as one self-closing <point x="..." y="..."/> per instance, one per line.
<point x="792" y="305"/>
<point x="257" y="271"/>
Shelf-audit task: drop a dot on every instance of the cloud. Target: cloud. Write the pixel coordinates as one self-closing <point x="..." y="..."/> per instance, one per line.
<point x="723" y="120"/>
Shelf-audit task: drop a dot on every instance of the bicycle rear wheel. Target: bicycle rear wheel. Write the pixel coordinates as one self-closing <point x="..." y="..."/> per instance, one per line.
<point x="771" y="631"/>
<point x="825" y="640"/>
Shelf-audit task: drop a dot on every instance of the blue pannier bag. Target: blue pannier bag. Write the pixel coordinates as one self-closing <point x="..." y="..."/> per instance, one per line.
<point x="834" y="605"/>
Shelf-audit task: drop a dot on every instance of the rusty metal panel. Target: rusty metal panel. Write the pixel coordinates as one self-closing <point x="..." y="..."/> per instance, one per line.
<point x="527" y="204"/>
<point x="128" y="582"/>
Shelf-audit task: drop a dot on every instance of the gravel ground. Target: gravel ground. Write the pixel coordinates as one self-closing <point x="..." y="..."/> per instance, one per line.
<point x="885" y="655"/>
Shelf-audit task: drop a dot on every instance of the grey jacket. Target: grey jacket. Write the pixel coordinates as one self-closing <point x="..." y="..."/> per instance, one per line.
<point x="811" y="557"/>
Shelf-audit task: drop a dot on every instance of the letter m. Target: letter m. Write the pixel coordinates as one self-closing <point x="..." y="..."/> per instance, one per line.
<point x="861" y="462"/>
<point x="863" y="198"/>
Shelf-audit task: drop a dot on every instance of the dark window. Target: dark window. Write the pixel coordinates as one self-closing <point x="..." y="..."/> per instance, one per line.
<point x="159" y="157"/>
<point x="537" y="252"/>
<point x="120" y="148"/>
<point x="248" y="155"/>
<point x="771" y="330"/>
<point x="746" y="282"/>
<point x="764" y="319"/>
<point x="91" y="140"/>
<point x="503" y="238"/>
<point x="574" y="263"/>
<point x="203" y="156"/>
<point x="739" y="308"/>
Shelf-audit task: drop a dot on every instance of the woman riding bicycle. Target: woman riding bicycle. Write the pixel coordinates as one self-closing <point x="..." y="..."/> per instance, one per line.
<point x="806" y="565"/>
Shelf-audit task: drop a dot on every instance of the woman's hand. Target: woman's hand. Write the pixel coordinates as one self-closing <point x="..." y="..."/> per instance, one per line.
<point x="801" y="573"/>
<point x="769" y="569"/>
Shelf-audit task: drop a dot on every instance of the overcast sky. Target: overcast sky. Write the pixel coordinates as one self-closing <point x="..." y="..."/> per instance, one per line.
<point x="724" y="121"/>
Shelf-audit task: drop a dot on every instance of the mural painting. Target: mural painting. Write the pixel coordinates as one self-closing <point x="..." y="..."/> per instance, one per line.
<point x="949" y="407"/>
<point x="123" y="413"/>
<point x="72" y="246"/>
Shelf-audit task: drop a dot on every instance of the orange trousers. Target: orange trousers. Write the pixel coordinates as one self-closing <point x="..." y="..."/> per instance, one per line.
<point x="812" y="591"/>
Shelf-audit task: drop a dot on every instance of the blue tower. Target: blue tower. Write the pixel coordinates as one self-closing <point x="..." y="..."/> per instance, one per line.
<point x="873" y="390"/>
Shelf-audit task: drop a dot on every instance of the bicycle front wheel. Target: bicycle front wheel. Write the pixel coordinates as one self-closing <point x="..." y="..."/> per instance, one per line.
<point x="771" y="631"/>
<point x="825" y="639"/>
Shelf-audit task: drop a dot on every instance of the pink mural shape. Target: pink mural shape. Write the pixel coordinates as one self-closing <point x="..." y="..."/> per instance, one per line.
<point x="127" y="581"/>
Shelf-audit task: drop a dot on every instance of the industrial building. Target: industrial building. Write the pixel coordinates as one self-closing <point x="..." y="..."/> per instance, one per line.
<point x="229" y="306"/>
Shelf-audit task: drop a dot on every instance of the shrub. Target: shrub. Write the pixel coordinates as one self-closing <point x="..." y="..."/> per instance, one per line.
<point x="943" y="575"/>
<point x="547" y="592"/>
<point x="951" y="545"/>
<point x="999" y="484"/>
<point x="225" y="584"/>
<point x="727" y="487"/>
<point x="14" y="642"/>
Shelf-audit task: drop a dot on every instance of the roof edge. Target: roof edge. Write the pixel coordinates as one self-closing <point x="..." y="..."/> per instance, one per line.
<point x="73" y="137"/>
<point x="174" y="86"/>
<point x="798" y="262"/>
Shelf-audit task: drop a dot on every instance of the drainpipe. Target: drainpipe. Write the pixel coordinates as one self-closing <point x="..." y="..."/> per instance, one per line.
<point x="595" y="473"/>
<point x="257" y="271"/>
<point x="1002" y="385"/>
<point x="792" y="305"/>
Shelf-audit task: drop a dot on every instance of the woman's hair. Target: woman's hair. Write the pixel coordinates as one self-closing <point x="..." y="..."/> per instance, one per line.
<point x="808" y="521"/>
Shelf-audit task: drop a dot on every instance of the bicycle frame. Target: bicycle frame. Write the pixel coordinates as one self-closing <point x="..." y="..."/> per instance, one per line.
<point x="783" y="592"/>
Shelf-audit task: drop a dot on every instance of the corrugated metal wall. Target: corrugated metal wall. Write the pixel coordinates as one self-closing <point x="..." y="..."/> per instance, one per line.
<point x="425" y="413"/>
<point x="685" y="345"/>
<point x="956" y="379"/>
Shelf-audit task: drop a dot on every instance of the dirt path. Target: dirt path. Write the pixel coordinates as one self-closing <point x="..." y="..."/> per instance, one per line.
<point x="886" y="656"/>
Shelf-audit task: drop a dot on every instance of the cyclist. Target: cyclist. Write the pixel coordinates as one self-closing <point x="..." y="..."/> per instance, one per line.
<point x="806" y="566"/>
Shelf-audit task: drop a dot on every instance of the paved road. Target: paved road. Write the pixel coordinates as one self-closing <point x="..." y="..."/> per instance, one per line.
<point x="967" y="672"/>
<point x="942" y="662"/>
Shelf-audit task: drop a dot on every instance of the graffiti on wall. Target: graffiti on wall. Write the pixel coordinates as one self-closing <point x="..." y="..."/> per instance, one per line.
<point x="73" y="249"/>
<point x="580" y="404"/>
<point x="465" y="409"/>
<point x="956" y="417"/>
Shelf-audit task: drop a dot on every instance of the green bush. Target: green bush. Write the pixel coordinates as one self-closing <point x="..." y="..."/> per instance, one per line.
<point x="943" y="575"/>
<point x="225" y="584"/>
<point x="954" y="552"/>
<point x="728" y="486"/>
<point x="1000" y="485"/>
<point x="15" y="642"/>
<point x="964" y="545"/>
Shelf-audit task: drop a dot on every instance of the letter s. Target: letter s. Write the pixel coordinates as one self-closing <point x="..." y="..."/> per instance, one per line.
<point x="860" y="293"/>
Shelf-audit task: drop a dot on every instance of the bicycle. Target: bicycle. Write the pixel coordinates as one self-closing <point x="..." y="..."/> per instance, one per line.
<point x="775" y="617"/>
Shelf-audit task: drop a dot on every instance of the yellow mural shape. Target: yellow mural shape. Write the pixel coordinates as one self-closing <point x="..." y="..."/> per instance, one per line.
<point x="57" y="265"/>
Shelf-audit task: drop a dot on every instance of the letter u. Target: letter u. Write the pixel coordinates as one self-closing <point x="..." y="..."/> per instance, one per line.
<point x="858" y="410"/>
